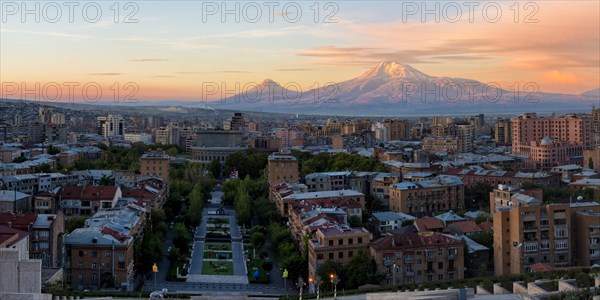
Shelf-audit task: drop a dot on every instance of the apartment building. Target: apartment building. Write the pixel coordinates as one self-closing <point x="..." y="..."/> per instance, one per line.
<point x="155" y="164"/>
<point x="425" y="197"/>
<point x="418" y="257"/>
<point x="527" y="232"/>
<point x="552" y="141"/>
<point x="98" y="258"/>
<point x="282" y="168"/>
<point x="87" y="200"/>
<point x="338" y="244"/>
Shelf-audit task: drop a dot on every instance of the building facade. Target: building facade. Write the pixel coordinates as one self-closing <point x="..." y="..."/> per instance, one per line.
<point x="414" y="258"/>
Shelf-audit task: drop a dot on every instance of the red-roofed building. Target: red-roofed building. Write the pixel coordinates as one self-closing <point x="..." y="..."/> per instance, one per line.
<point x="467" y="228"/>
<point x="12" y="238"/>
<point x="419" y="257"/>
<point x="87" y="200"/>
<point x="425" y="224"/>
<point x="45" y="231"/>
<point x="486" y="226"/>
<point x="493" y="176"/>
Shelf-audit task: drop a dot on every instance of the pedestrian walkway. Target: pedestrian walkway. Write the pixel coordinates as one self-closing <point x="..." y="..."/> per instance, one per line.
<point x="239" y="263"/>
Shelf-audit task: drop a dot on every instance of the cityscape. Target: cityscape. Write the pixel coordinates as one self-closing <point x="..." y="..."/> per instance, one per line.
<point x="300" y="150"/>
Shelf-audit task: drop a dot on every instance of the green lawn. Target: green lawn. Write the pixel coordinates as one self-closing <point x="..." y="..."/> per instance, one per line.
<point x="263" y="278"/>
<point x="217" y="246"/>
<point x="217" y="268"/>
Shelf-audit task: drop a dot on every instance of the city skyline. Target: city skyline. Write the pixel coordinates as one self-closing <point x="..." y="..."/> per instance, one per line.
<point x="172" y="50"/>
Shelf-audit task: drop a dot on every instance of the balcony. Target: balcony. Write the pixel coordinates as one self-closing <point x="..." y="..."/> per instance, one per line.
<point x="429" y="271"/>
<point x="452" y="270"/>
<point x="451" y="255"/>
<point x="388" y="262"/>
<point x="409" y="273"/>
<point x="430" y="258"/>
<point x="409" y="260"/>
<point x="530" y="228"/>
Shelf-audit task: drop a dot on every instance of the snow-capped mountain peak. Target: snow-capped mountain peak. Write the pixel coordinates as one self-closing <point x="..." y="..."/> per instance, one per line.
<point x="392" y="70"/>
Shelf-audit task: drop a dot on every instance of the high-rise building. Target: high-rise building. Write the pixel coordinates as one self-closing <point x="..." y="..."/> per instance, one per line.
<point x="45" y="115"/>
<point x="237" y="122"/>
<point x="465" y="134"/>
<point x="548" y="142"/>
<point x="397" y="130"/>
<point x="110" y="125"/>
<point x="502" y="131"/>
<point x="58" y="119"/>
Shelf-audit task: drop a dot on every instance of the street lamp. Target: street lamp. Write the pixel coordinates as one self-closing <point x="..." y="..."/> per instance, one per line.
<point x="334" y="280"/>
<point x="317" y="282"/>
<point x="394" y="274"/>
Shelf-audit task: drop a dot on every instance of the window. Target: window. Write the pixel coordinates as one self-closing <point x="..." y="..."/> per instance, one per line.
<point x="330" y="242"/>
<point x="440" y="252"/>
<point x="80" y="277"/>
<point x="94" y="278"/>
<point x="106" y="254"/>
<point x="330" y="255"/>
<point x="350" y="241"/>
<point x="360" y="240"/>
<point x="94" y="266"/>
<point x="121" y="265"/>
<point x="418" y="261"/>
<point x="440" y="265"/>
<point x="429" y="277"/>
<point x="561" y="244"/>
<point x="398" y="255"/>
<point x="80" y="265"/>
<point x="340" y="254"/>
<point x="94" y="253"/>
<point x="350" y="253"/>
<point x="340" y="242"/>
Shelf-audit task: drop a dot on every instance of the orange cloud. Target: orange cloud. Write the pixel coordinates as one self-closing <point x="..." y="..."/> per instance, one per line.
<point x="561" y="77"/>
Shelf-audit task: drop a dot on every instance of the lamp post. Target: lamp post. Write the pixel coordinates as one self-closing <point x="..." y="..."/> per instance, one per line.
<point x="300" y="285"/>
<point x="317" y="281"/>
<point x="334" y="280"/>
<point x="394" y="274"/>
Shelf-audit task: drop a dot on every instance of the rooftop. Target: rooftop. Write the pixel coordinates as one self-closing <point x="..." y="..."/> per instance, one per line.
<point x="414" y="240"/>
<point x="324" y="194"/>
<point x="10" y="196"/>
<point x="392" y="216"/>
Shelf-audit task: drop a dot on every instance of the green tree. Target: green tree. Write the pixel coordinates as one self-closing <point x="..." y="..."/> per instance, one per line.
<point x="181" y="238"/>
<point x="355" y="221"/>
<point x="257" y="239"/>
<point x="106" y="180"/>
<point x="74" y="223"/>
<point x="361" y="270"/>
<point x="194" y="213"/>
<point x="215" y="168"/>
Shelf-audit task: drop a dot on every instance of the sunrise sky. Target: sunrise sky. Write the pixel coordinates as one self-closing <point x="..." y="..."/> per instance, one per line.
<point x="171" y="50"/>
